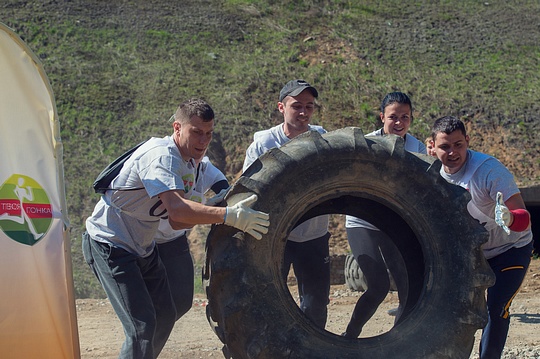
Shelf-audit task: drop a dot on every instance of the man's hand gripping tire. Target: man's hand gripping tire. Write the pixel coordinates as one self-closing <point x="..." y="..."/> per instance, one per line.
<point x="246" y="219"/>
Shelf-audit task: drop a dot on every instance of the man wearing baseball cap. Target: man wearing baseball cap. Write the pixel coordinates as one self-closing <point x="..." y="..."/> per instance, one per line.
<point x="295" y="88"/>
<point x="307" y="244"/>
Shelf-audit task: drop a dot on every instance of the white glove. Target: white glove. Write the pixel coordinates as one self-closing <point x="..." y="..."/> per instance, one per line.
<point x="502" y="214"/>
<point x="246" y="219"/>
<point x="218" y="198"/>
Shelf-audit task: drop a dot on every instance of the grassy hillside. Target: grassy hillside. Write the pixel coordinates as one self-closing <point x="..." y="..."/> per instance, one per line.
<point x="119" y="69"/>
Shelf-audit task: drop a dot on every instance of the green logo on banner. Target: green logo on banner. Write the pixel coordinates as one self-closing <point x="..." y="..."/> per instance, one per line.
<point x="25" y="210"/>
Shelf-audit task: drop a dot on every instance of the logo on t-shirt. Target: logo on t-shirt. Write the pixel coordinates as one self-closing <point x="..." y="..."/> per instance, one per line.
<point x="25" y="210"/>
<point x="189" y="180"/>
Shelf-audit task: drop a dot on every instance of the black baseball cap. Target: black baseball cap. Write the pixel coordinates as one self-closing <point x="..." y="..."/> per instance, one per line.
<point x="295" y="87"/>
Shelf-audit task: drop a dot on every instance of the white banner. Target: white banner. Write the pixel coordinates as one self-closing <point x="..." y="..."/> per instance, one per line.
<point x="37" y="305"/>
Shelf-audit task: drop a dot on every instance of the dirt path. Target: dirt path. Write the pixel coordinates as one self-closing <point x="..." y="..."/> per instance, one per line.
<point x="101" y="334"/>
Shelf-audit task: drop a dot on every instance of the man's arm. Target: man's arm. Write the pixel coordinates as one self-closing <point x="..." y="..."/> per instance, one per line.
<point x="515" y="202"/>
<point x="183" y="212"/>
<point x="252" y="153"/>
<point x="179" y="225"/>
<point x="519" y="212"/>
<point x="239" y="216"/>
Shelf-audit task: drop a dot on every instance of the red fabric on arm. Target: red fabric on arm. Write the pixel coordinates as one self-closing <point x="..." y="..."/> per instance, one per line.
<point x="521" y="220"/>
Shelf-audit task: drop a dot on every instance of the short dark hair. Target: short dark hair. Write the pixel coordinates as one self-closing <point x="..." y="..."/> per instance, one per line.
<point x="396" y="97"/>
<point x="448" y="124"/>
<point x="193" y="107"/>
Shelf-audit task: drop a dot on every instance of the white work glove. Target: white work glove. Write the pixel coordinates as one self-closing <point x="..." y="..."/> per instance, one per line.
<point x="502" y="214"/>
<point x="218" y="198"/>
<point x="246" y="219"/>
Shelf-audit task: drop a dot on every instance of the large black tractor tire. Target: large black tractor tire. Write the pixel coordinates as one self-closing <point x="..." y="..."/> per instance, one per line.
<point x="374" y="178"/>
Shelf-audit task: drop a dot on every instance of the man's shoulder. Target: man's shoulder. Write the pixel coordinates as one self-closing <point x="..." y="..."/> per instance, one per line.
<point x="483" y="166"/>
<point x="479" y="158"/>
<point x="156" y="151"/>
<point x="156" y="143"/>
<point x="268" y="137"/>
<point x="317" y="128"/>
<point x="272" y="131"/>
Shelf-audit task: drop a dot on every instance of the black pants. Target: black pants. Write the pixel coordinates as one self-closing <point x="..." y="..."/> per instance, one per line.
<point x="311" y="264"/>
<point x="138" y="290"/>
<point x="178" y="263"/>
<point x="376" y="254"/>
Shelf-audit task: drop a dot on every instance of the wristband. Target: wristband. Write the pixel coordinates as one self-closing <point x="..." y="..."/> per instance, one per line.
<point x="521" y="220"/>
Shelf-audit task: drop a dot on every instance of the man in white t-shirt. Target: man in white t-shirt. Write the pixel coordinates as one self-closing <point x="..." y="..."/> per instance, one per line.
<point x="119" y="241"/>
<point x="497" y="204"/>
<point x="307" y="245"/>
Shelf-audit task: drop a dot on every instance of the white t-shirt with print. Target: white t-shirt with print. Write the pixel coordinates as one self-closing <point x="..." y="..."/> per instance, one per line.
<point x="207" y="176"/>
<point x="483" y="176"/>
<point x="128" y="216"/>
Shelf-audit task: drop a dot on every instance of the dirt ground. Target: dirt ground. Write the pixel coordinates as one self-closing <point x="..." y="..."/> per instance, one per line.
<point x="101" y="334"/>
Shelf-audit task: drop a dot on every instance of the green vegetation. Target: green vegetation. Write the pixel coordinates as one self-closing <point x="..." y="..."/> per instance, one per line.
<point x="119" y="70"/>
